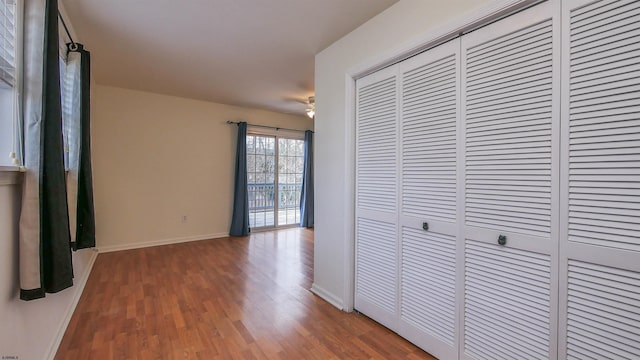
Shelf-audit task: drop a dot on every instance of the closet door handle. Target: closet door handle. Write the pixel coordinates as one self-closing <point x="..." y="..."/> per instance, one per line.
<point x="502" y="239"/>
<point x="425" y="226"/>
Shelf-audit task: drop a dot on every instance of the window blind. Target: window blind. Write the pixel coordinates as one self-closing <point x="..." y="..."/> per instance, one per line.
<point x="8" y="42"/>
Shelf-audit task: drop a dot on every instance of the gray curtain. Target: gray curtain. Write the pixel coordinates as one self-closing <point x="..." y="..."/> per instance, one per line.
<point x="240" y="216"/>
<point x="306" y="196"/>
<point x="45" y="249"/>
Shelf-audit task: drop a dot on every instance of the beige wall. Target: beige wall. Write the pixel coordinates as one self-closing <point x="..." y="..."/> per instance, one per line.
<point x="157" y="158"/>
<point x="406" y="22"/>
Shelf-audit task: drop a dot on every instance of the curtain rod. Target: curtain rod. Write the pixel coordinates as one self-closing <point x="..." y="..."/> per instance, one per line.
<point x="73" y="43"/>
<point x="265" y="126"/>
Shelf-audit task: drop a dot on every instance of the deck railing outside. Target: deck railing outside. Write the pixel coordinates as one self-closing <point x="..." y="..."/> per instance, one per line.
<point x="262" y="196"/>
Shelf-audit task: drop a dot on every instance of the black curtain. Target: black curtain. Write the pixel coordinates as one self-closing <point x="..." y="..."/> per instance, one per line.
<point x="240" y="216"/>
<point x="56" y="271"/>
<point x="306" y="195"/>
<point x="86" y="225"/>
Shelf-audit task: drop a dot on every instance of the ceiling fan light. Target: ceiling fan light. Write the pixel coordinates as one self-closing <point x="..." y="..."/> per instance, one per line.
<point x="311" y="113"/>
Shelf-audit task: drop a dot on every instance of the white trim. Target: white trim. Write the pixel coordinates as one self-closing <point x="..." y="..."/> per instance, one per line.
<point x="327" y="296"/>
<point x="79" y="289"/>
<point x="465" y="23"/>
<point x="273" y="228"/>
<point x="349" y="194"/>
<point x="10" y="175"/>
<point x="145" y="244"/>
<point x="460" y="206"/>
<point x="281" y="133"/>
<point x="18" y="126"/>
<point x="4" y="168"/>
<point x="556" y="165"/>
<point x="471" y="20"/>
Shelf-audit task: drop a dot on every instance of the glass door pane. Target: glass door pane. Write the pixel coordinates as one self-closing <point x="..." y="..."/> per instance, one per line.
<point x="290" y="164"/>
<point x="261" y="167"/>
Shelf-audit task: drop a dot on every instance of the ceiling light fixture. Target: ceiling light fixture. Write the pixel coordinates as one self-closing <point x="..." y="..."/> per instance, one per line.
<point x="311" y="107"/>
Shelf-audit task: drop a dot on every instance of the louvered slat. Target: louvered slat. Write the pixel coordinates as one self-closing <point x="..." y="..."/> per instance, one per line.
<point x="376" y="263"/>
<point x="603" y="312"/>
<point x="377" y="144"/>
<point x="507" y="302"/>
<point x="428" y="282"/>
<point x="429" y="115"/>
<point x="604" y="130"/>
<point x="508" y="104"/>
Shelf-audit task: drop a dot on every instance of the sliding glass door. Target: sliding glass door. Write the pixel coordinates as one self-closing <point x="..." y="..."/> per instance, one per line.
<point x="274" y="174"/>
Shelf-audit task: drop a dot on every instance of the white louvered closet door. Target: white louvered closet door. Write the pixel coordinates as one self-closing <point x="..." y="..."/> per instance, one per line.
<point x="428" y="201"/>
<point x="376" y="196"/>
<point x="600" y="197"/>
<point x="510" y="93"/>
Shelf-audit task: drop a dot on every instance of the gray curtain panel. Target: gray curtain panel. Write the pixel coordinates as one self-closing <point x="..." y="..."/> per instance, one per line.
<point x="306" y="196"/>
<point x="45" y="250"/>
<point x="240" y="215"/>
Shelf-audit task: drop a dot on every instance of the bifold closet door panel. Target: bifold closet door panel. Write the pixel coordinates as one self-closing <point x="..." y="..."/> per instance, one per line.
<point x="510" y="116"/>
<point x="602" y="315"/>
<point x="376" y="272"/>
<point x="430" y="108"/>
<point x="600" y="233"/>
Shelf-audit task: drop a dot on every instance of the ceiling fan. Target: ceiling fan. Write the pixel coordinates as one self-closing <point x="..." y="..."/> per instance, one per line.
<point x="309" y="103"/>
<point x="311" y="107"/>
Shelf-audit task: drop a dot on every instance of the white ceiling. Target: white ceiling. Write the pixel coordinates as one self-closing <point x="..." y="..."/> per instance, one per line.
<point x="255" y="53"/>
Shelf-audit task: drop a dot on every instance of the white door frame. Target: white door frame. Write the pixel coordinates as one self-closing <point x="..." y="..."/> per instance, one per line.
<point x="276" y="134"/>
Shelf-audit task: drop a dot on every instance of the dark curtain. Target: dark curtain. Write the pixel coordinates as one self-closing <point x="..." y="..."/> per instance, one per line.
<point x="240" y="216"/>
<point x="56" y="270"/>
<point x="306" y="196"/>
<point x="86" y="225"/>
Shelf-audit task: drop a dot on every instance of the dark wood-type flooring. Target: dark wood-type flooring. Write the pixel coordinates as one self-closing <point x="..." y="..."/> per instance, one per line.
<point x="240" y="298"/>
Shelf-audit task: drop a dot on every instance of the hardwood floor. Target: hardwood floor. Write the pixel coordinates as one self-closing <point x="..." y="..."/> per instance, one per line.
<point x="241" y="298"/>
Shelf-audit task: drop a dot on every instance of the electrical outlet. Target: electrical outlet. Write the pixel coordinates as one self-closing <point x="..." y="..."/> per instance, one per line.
<point x="184" y="218"/>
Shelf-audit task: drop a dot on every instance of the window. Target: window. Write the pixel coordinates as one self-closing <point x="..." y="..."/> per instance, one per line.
<point x="10" y="124"/>
<point x="70" y="97"/>
<point x="8" y="81"/>
<point x="274" y="176"/>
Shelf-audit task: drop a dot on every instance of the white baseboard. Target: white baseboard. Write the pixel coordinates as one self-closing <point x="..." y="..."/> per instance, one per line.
<point x="327" y="296"/>
<point x="105" y="249"/>
<point x="79" y="288"/>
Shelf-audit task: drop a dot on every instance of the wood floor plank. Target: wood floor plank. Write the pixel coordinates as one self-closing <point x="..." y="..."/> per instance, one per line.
<point x="229" y="298"/>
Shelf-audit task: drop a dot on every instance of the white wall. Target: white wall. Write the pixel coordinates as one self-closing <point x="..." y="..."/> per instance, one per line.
<point x="405" y="23"/>
<point x="157" y="158"/>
